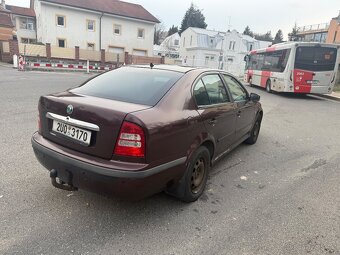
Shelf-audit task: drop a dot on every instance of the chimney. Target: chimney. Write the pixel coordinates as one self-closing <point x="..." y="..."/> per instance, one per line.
<point x="32" y="4"/>
<point x="3" y="4"/>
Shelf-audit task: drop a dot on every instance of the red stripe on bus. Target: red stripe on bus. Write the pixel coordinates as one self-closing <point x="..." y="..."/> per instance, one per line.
<point x="270" y="49"/>
<point x="303" y="81"/>
<point x="48" y="65"/>
<point x="253" y="52"/>
<point x="36" y="64"/>
<point x="265" y="75"/>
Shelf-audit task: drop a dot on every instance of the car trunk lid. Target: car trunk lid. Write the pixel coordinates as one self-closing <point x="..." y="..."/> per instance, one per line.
<point x="88" y="113"/>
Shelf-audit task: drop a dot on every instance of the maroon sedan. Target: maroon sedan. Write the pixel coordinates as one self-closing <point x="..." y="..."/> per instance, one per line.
<point x="136" y="131"/>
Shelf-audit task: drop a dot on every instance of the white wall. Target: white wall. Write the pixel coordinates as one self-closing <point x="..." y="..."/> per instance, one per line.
<point x="76" y="34"/>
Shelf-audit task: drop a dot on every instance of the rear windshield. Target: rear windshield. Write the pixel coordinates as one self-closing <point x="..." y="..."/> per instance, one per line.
<point x="315" y="58"/>
<point x="144" y="86"/>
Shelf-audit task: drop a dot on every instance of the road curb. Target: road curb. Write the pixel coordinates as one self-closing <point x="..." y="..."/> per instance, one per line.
<point x="328" y="97"/>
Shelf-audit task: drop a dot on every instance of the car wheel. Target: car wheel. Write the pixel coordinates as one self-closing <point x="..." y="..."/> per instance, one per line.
<point x="254" y="134"/>
<point x="193" y="183"/>
<point x="269" y="86"/>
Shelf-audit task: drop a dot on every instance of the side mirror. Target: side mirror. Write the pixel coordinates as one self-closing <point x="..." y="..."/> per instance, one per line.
<point x="254" y="97"/>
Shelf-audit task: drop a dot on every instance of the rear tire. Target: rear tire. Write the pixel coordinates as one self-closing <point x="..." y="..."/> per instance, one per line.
<point x="269" y="86"/>
<point x="254" y="133"/>
<point x="193" y="183"/>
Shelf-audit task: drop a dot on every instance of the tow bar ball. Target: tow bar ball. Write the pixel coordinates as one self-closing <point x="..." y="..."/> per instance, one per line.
<point x="56" y="182"/>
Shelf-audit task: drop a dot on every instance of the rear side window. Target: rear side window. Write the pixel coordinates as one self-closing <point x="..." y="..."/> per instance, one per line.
<point x="201" y="94"/>
<point x="215" y="89"/>
<point x="130" y="84"/>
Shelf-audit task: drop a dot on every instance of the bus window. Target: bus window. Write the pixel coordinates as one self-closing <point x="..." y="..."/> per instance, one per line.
<point x="284" y="60"/>
<point x="315" y="58"/>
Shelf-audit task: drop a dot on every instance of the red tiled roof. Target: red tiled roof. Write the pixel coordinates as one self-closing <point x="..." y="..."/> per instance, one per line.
<point x="5" y="20"/>
<point x="115" y="7"/>
<point x="21" y="10"/>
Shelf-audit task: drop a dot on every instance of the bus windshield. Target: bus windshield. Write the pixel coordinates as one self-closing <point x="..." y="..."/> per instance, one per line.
<point x="315" y="58"/>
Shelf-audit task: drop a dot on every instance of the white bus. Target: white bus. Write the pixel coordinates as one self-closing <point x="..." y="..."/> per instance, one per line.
<point x="297" y="67"/>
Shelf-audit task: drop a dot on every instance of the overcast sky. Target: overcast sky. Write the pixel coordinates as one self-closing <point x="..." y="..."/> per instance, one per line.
<point x="260" y="15"/>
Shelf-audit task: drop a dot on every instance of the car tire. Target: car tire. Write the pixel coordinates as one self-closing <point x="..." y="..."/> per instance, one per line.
<point x="193" y="183"/>
<point x="254" y="133"/>
<point x="269" y="86"/>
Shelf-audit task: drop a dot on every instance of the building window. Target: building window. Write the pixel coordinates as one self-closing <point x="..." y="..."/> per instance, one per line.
<point x="117" y="29"/>
<point x="116" y="50"/>
<point x="28" y="40"/>
<point x="140" y="33"/>
<point x="91" y="25"/>
<point x="335" y="34"/>
<point x="27" y="23"/>
<point x="206" y="60"/>
<point x="90" y="46"/>
<point x="184" y="42"/>
<point x="139" y="52"/>
<point x="190" y="40"/>
<point x="176" y="42"/>
<point x="61" y="21"/>
<point x="61" y="43"/>
<point x="232" y="45"/>
<point x="251" y="47"/>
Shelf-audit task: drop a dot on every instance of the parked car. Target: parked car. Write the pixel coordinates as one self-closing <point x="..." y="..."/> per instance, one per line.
<point x="137" y="130"/>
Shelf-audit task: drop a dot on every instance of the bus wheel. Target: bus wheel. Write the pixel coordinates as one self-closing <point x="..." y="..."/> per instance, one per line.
<point x="268" y="86"/>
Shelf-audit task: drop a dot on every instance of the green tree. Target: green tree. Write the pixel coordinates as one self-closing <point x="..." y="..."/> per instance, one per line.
<point x="264" y="37"/>
<point x="193" y="18"/>
<point x="278" y="37"/>
<point x="292" y="36"/>
<point x="159" y="34"/>
<point x="247" y="31"/>
<point x="172" y="30"/>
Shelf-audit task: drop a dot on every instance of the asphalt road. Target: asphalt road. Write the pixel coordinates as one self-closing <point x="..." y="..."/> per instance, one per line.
<point x="279" y="196"/>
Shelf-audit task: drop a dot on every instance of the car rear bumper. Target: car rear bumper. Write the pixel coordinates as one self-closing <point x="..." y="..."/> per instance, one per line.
<point x="111" y="179"/>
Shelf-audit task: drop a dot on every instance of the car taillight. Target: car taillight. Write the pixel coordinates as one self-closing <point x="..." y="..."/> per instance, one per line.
<point x="131" y="141"/>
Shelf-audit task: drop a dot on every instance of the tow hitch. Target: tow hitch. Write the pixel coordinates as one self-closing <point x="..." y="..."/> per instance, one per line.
<point x="60" y="184"/>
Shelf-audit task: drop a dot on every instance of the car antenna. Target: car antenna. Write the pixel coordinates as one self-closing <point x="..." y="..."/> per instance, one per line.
<point x="151" y="65"/>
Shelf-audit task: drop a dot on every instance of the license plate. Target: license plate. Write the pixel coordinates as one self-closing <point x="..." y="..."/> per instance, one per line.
<point x="78" y="134"/>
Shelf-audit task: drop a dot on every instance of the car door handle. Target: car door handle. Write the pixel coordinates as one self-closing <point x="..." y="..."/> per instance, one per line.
<point x="212" y="122"/>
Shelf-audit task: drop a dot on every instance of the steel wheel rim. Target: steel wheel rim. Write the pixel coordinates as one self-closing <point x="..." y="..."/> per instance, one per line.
<point x="197" y="175"/>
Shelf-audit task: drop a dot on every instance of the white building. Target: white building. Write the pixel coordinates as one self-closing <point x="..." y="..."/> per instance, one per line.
<point x="169" y="47"/>
<point x="115" y="26"/>
<point x="201" y="47"/>
<point x="24" y="21"/>
<point x="213" y="49"/>
<point x="235" y="48"/>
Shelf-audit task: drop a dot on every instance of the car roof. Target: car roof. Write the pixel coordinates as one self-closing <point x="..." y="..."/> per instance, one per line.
<point x="175" y="68"/>
<point x="182" y="69"/>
